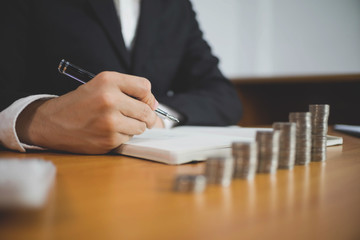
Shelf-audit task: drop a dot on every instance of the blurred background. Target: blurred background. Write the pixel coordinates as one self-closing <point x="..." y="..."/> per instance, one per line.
<point x="283" y="37"/>
<point x="284" y="54"/>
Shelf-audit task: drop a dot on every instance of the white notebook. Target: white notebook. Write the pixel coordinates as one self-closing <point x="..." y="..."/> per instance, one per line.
<point x="188" y="143"/>
<point x="179" y="145"/>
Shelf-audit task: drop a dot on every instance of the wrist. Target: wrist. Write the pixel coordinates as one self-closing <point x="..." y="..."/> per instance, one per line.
<point x="26" y="129"/>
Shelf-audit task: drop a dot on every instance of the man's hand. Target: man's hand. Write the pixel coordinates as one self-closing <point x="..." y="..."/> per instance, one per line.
<point x="94" y="119"/>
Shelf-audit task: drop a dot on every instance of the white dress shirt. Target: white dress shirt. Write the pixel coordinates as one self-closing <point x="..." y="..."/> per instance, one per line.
<point x="128" y="11"/>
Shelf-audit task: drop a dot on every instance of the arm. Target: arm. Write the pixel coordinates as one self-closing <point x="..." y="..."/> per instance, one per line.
<point x="94" y="118"/>
<point x="202" y="94"/>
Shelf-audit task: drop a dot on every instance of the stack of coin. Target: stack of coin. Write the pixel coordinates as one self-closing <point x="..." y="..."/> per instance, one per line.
<point x="303" y="136"/>
<point x="287" y="144"/>
<point x="190" y="183"/>
<point x="219" y="170"/>
<point x="319" y="122"/>
<point x="268" y="151"/>
<point x="245" y="159"/>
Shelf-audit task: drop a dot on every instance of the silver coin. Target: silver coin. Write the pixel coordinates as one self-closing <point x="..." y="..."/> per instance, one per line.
<point x="319" y="120"/>
<point x="245" y="159"/>
<point x="287" y="144"/>
<point x="219" y="170"/>
<point x="189" y="183"/>
<point x="268" y="151"/>
<point x="303" y="136"/>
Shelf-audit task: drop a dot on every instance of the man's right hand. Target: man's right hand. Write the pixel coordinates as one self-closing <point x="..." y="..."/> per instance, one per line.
<point x="93" y="119"/>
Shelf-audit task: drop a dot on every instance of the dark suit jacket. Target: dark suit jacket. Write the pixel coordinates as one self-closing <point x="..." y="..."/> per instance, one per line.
<point x="169" y="51"/>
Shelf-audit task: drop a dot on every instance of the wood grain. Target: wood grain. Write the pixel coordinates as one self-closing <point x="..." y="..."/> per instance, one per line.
<point x="117" y="197"/>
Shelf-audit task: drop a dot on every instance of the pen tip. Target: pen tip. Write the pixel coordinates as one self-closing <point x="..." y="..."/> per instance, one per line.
<point x="173" y="118"/>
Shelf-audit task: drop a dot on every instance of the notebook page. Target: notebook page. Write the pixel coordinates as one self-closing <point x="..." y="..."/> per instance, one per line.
<point x="183" y="140"/>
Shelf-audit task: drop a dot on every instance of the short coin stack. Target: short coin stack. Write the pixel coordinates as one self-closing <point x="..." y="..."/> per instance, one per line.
<point x="245" y="159"/>
<point x="268" y="151"/>
<point x="319" y="122"/>
<point x="190" y="183"/>
<point x="287" y="147"/>
<point x="303" y="136"/>
<point x="219" y="170"/>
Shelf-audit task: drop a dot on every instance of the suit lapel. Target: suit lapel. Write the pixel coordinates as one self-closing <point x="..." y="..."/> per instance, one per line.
<point x="145" y="34"/>
<point x="107" y="16"/>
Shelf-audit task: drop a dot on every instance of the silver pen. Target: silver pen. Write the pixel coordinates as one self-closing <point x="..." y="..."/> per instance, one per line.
<point x="84" y="76"/>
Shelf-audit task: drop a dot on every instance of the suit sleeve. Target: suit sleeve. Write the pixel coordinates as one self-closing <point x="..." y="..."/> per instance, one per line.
<point x="202" y="94"/>
<point x="13" y="48"/>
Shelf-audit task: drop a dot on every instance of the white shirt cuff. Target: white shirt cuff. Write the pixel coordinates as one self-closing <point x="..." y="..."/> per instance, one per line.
<point x="8" y="117"/>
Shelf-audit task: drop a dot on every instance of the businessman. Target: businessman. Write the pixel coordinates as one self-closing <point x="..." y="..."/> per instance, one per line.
<point x="138" y="49"/>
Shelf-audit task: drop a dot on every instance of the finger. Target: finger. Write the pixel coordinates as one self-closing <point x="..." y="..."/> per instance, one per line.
<point x="137" y="87"/>
<point x="138" y="110"/>
<point x="115" y="141"/>
<point x="115" y="122"/>
<point x="130" y="126"/>
<point x="123" y="138"/>
<point x="140" y="88"/>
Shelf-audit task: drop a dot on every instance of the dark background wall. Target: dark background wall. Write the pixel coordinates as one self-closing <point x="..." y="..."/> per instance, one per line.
<point x="267" y="100"/>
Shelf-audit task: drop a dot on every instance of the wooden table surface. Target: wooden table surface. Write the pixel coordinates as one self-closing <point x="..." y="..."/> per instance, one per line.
<point x="117" y="197"/>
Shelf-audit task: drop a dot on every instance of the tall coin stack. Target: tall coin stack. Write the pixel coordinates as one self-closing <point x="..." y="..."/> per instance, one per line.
<point x="303" y="136"/>
<point x="190" y="183"/>
<point x="219" y="170"/>
<point x="268" y="151"/>
<point x="245" y="159"/>
<point x="319" y="122"/>
<point x="287" y="144"/>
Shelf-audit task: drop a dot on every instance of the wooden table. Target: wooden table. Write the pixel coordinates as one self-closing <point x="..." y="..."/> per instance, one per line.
<point x="116" y="197"/>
